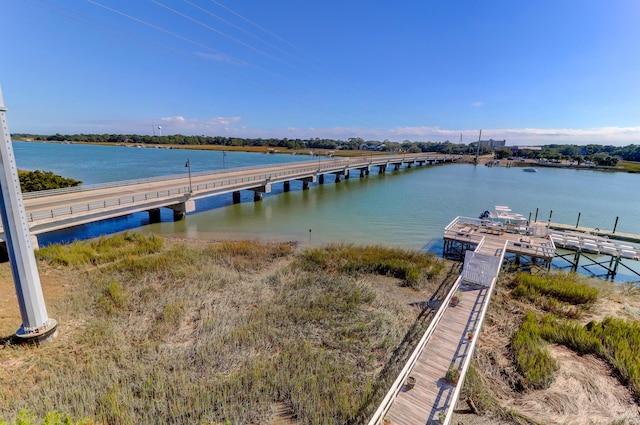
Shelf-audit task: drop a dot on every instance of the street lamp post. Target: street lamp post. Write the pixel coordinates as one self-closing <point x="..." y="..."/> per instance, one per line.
<point x="188" y="165"/>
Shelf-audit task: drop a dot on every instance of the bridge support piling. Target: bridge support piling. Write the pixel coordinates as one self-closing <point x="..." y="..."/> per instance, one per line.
<point x="338" y="177"/>
<point x="396" y="167"/>
<point x="287" y="186"/>
<point x="382" y="169"/>
<point x="257" y="196"/>
<point x="180" y="210"/>
<point x="346" y="174"/>
<point x="321" y="179"/>
<point x="154" y="215"/>
<point x="236" y="197"/>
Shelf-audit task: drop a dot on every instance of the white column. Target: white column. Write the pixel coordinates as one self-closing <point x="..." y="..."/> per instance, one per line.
<point x="35" y="322"/>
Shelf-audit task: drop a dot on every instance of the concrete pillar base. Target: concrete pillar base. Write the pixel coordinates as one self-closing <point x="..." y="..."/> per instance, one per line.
<point x="287" y="186"/>
<point x="42" y="335"/>
<point x="236" y="197"/>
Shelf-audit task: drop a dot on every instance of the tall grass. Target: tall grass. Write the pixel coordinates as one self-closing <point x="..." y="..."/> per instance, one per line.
<point x="411" y="266"/>
<point x="563" y="287"/>
<point x="533" y="360"/>
<point x="207" y="334"/>
<point x="101" y="250"/>
<point x="614" y="340"/>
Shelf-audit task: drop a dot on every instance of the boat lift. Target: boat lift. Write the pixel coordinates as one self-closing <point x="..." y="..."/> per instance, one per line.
<point x="586" y="246"/>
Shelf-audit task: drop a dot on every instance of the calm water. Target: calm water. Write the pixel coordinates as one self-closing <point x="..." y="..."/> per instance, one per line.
<point x="408" y="208"/>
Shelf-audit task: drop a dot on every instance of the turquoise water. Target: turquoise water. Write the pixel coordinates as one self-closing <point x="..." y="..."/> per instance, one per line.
<point x="408" y="208"/>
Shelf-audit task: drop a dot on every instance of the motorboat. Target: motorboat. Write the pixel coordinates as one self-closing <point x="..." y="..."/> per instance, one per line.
<point x="503" y="214"/>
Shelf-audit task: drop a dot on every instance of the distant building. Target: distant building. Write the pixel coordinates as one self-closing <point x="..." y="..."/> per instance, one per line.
<point x="515" y="149"/>
<point x="493" y="143"/>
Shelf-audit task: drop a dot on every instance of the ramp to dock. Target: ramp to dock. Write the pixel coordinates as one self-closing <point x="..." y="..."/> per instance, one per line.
<point x="445" y="344"/>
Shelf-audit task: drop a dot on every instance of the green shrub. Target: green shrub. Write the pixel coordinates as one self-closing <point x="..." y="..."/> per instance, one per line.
<point x="31" y="181"/>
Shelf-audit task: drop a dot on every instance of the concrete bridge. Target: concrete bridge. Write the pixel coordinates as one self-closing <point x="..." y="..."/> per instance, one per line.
<point x="61" y="208"/>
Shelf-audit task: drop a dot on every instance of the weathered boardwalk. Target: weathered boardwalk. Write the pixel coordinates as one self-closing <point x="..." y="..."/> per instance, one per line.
<point x="446" y="343"/>
<point x="449" y="346"/>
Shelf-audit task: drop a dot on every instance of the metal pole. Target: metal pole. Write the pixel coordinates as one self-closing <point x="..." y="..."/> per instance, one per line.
<point x="36" y="325"/>
<point x="615" y="225"/>
<point x="536" y="219"/>
<point x="188" y="165"/>
<point x="478" y="148"/>
<point x="578" y="220"/>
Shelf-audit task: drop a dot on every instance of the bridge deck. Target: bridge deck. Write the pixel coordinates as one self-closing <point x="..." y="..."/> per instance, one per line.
<point x="448" y="344"/>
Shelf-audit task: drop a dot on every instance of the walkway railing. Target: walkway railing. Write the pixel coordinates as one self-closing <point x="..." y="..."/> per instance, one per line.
<point x="481" y="269"/>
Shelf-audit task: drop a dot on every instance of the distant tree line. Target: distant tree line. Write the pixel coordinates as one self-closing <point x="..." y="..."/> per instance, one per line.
<point x="598" y="154"/>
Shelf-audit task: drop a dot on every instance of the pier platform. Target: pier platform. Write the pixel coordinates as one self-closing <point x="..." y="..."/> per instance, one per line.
<point x="528" y="246"/>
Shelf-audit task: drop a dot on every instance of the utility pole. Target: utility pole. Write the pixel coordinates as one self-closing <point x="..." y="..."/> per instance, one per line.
<point x="36" y="325"/>
<point x="478" y="148"/>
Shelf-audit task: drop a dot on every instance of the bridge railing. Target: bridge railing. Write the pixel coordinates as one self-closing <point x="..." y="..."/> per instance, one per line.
<point x="264" y="176"/>
<point x="322" y="165"/>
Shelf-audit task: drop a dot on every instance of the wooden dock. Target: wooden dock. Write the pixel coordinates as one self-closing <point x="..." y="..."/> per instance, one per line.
<point x="484" y="245"/>
<point x="449" y="346"/>
<point x="446" y="344"/>
<point x="528" y="244"/>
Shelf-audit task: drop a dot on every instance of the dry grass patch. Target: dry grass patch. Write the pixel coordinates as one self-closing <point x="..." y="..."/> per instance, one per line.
<point x="225" y="332"/>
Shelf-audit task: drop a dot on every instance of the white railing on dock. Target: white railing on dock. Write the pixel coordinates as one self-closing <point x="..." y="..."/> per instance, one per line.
<point x="492" y="270"/>
<point x="467" y="360"/>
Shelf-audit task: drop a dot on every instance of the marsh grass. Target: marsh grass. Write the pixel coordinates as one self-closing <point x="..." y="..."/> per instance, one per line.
<point x="100" y="251"/>
<point x="414" y="268"/>
<point x="206" y="334"/>
<point x="558" y="286"/>
<point x="614" y="340"/>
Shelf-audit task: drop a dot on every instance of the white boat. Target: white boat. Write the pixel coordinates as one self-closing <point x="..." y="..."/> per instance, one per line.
<point x="503" y="214"/>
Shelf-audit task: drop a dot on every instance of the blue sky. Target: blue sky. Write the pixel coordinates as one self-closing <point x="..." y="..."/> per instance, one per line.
<point x="530" y="72"/>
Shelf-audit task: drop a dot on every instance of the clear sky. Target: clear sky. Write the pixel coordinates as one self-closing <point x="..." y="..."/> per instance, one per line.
<point x="528" y="71"/>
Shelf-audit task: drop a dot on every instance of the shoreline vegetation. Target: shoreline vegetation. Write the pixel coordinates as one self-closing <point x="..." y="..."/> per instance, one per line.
<point x="603" y="157"/>
<point x="157" y="330"/>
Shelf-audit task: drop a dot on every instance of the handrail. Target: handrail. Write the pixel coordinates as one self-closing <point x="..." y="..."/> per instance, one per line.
<point x="404" y="373"/>
<point x="467" y="360"/>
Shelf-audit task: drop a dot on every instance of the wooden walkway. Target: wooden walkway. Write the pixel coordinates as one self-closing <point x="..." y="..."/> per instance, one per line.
<point x="448" y="346"/>
<point x="446" y="343"/>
